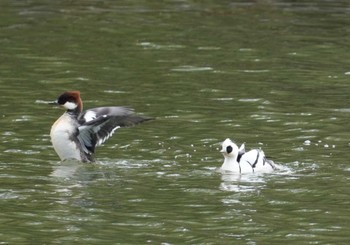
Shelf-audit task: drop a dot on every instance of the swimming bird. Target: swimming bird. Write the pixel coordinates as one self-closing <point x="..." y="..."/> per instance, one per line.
<point x="76" y="133"/>
<point x="239" y="161"/>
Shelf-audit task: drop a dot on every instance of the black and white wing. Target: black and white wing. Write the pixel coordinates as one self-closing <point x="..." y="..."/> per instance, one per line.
<point x="256" y="161"/>
<point x="241" y="152"/>
<point x="98" y="124"/>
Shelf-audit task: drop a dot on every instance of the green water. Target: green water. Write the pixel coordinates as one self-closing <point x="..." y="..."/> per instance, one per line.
<point x="272" y="74"/>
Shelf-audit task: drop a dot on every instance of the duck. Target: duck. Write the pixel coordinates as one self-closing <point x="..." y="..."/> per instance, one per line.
<point x="238" y="160"/>
<point x="76" y="133"/>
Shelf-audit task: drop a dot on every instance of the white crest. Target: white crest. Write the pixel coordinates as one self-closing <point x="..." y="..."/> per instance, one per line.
<point x="229" y="149"/>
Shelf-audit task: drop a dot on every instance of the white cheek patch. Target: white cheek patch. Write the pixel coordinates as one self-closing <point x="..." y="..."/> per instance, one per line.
<point x="70" y="105"/>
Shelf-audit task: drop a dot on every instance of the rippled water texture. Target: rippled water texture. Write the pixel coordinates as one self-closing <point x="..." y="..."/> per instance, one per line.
<point x="272" y="74"/>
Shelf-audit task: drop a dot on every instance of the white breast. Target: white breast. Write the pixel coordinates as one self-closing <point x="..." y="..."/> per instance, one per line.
<point x="230" y="164"/>
<point x="61" y="132"/>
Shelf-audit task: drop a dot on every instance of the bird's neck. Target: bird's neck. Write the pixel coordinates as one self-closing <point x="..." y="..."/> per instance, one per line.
<point x="75" y="112"/>
<point x="230" y="164"/>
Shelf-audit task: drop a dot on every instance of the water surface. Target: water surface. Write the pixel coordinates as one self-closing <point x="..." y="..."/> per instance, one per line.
<point x="272" y="74"/>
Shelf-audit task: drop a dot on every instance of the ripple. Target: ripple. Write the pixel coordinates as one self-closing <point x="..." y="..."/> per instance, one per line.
<point x="255" y="71"/>
<point x="115" y="91"/>
<point x="209" y="48"/>
<point x="345" y="110"/>
<point x="150" y="45"/>
<point x="192" y="68"/>
<point x="9" y="195"/>
<point x="24" y="118"/>
<point x="223" y="99"/>
<point x="20" y="151"/>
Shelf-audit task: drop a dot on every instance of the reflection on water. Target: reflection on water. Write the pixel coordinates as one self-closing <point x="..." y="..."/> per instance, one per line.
<point x="66" y="169"/>
<point x="251" y="181"/>
<point x="241" y="182"/>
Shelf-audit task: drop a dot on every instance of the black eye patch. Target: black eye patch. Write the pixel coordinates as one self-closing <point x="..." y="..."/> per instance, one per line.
<point x="229" y="149"/>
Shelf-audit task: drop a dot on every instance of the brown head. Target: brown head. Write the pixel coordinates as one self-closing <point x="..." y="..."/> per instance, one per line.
<point x="71" y="101"/>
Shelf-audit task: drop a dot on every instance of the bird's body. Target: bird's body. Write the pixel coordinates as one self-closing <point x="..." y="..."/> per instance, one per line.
<point x="62" y="138"/>
<point x="239" y="161"/>
<point x="76" y="133"/>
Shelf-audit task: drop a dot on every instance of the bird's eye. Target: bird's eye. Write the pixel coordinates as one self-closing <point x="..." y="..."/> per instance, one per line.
<point x="229" y="149"/>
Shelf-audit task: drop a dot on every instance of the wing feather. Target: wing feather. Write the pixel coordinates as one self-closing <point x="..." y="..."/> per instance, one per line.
<point x="99" y="124"/>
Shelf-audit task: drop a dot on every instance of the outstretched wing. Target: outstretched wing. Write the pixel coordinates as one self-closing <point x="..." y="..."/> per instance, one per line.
<point x="98" y="124"/>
